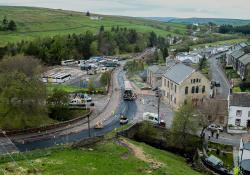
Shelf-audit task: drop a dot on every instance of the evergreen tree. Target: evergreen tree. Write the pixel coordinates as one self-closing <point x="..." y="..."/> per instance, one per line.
<point x="12" y="26"/>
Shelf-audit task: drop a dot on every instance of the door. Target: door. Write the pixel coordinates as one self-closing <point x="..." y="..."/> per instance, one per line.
<point x="248" y="124"/>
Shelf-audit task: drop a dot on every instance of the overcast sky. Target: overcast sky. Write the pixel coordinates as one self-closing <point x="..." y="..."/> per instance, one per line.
<point x="146" y="8"/>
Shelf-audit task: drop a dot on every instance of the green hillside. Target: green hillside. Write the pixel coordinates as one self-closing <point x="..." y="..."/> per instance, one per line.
<point x="40" y="22"/>
<point x="107" y="158"/>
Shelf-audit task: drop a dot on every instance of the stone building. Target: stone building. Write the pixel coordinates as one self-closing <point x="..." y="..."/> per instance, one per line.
<point x="181" y="82"/>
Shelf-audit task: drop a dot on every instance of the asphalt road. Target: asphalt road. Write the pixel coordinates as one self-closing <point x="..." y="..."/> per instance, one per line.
<point x="218" y="75"/>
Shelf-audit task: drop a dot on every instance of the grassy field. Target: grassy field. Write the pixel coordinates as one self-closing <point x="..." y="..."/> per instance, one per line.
<point x="108" y="158"/>
<point x="41" y="22"/>
<point x="233" y="41"/>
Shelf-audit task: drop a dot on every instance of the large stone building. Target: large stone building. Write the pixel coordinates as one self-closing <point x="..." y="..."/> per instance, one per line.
<point x="181" y="82"/>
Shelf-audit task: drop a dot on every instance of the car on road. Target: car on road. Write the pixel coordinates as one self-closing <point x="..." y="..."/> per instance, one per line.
<point x="215" y="127"/>
<point x="123" y="120"/>
<point x="215" y="83"/>
<point x="86" y="97"/>
<point x="99" y="125"/>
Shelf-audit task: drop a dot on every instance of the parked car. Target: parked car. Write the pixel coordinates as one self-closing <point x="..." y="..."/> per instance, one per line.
<point x="215" y="83"/>
<point x="86" y="97"/>
<point x="151" y="117"/>
<point x="215" y="127"/>
<point x="123" y="120"/>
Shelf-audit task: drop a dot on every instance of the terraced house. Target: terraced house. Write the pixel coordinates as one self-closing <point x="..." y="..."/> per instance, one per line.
<point x="240" y="60"/>
<point x="181" y="82"/>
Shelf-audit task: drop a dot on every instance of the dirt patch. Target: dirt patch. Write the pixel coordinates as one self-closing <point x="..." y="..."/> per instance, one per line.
<point x="139" y="153"/>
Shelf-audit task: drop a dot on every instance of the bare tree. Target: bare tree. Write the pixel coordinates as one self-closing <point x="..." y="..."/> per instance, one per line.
<point x="209" y="111"/>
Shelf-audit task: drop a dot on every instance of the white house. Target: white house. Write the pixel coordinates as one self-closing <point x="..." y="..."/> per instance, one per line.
<point x="189" y="57"/>
<point x="239" y="112"/>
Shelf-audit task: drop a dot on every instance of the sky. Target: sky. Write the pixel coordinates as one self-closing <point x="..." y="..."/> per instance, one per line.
<point x="148" y="8"/>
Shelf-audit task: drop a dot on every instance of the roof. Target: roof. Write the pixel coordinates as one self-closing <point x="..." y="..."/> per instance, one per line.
<point x="157" y="69"/>
<point x="214" y="160"/>
<point x="240" y="99"/>
<point x="245" y="165"/>
<point x="179" y="73"/>
<point x="245" y="59"/>
<point x="237" y="54"/>
<point x="247" y="145"/>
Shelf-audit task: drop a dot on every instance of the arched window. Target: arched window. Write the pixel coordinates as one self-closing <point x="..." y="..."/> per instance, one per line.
<point x="186" y="90"/>
<point x="193" y="89"/>
<point x="197" y="89"/>
<point x="203" y="89"/>
<point x="197" y="80"/>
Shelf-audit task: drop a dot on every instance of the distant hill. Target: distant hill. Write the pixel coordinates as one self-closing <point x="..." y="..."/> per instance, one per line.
<point x="218" y="21"/>
<point x="42" y="22"/>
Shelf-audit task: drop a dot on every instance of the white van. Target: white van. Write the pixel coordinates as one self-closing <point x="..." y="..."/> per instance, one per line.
<point x="151" y="117"/>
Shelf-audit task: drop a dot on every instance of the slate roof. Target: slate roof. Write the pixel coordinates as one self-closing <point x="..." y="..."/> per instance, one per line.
<point x="240" y="99"/>
<point x="245" y="59"/>
<point x="237" y="54"/>
<point x="178" y="73"/>
<point x="157" y="69"/>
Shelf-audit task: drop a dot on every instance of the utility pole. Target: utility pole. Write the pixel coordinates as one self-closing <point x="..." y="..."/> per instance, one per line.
<point x="89" y="126"/>
<point x="159" y="103"/>
<point x="158" y="95"/>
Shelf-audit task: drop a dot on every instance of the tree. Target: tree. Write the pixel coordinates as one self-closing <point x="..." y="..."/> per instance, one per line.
<point x="5" y="23"/>
<point x="91" y="86"/>
<point x="202" y="63"/>
<point x="94" y="48"/>
<point x="152" y="39"/>
<point x="58" y="98"/>
<point x="105" y="78"/>
<point x="22" y="94"/>
<point x="12" y="25"/>
<point x="88" y="13"/>
<point x="184" y="123"/>
<point x="101" y="29"/>
<point x="208" y="112"/>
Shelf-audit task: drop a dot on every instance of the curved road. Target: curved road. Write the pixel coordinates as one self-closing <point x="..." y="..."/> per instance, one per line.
<point x="127" y="108"/>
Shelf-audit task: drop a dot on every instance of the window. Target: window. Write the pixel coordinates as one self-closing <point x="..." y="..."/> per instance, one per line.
<point x="174" y="100"/>
<point x="238" y="113"/>
<point x="172" y="85"/>
<point x="186" y="90"/>
<point x="168" y="84"/>
<point x="203" y="89"/>
<point x="197" y="90"/>
<point x="171" y="97"/>
<point x="237" y="122"/>
<point x="193" y="89"/>
<point x="165" y="82"/>
<point x="248" y="114"/>
<point x="191" y="81"/>
<point x="197" y="80"/>
<point x="175" y="88"/>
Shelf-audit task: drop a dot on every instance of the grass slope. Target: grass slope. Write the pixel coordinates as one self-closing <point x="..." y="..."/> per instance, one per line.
<point x="104" y="159"/>
<point x="39" y="22"/>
